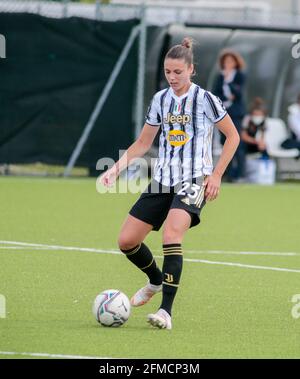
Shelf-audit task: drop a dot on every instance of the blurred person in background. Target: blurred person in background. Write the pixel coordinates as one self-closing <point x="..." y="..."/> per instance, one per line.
<point x="254" y="127"/>
<point x="229" y="87"/>
<point x="294" y="125"/>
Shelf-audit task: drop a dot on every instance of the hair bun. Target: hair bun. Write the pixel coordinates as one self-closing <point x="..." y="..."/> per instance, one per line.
<point x="187" y="42"/>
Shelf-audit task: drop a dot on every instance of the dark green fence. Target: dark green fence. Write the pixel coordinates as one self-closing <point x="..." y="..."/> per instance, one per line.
<point x="53" y="75"/>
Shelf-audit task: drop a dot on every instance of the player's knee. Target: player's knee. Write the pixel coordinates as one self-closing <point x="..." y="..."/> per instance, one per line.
<point x="172" y="234"/>
<point x="126" y="243"/>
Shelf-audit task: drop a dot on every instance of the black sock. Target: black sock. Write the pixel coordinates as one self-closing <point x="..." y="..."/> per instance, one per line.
<point x="142" y="257"/>
<point x="172" y="268"/>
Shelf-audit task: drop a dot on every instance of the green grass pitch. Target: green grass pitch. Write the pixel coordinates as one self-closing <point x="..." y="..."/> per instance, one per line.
<point x="243" y="310"/>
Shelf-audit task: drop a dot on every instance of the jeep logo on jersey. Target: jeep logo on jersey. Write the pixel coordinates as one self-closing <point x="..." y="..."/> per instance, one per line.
<point x="179" y="119"/>
<point x="177" y="137"/>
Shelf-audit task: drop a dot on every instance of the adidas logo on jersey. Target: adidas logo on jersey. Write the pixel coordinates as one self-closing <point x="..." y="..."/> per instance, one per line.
<point x="186" y="200"/>
<point x="177" y="137"/>
<point x="179" y="119"/>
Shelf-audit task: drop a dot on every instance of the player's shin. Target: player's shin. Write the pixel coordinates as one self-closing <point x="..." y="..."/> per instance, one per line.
<point x="142" y="257"/>
<point x="172" y="268"/>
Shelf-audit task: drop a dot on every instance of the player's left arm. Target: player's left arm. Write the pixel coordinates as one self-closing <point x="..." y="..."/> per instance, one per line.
<point x="213" y="182"/>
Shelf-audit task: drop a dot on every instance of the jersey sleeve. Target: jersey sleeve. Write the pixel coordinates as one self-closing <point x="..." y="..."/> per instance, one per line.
<point x="153" y="116"/>
<point x="213" y="107"/>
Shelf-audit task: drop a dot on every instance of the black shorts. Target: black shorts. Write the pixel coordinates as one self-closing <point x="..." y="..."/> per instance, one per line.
<point x="155" y="202"/>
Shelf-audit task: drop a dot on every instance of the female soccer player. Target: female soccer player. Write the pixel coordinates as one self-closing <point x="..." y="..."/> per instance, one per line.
<point x="184" y="178"/>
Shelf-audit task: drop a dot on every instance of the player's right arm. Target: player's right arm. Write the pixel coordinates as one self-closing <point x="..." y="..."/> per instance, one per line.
<point x="138" y="149"/>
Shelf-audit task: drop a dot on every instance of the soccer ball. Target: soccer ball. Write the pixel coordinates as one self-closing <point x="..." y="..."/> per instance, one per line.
<point x="111" y="308"/>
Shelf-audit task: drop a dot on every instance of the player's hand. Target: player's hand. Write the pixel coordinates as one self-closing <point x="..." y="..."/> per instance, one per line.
<point x="109" y="177"/>
<point x="212" y="184"/>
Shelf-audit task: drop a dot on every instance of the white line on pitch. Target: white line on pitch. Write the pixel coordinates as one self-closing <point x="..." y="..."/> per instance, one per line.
<point x="224" y="252"/>
<point x="25" y="248"/>
<point x="242" y="265"/>
<point x="56" y="247"/>
<point x="46" y="355"/>
<point x="234" y="264"/>
<point x="111" y="251"/>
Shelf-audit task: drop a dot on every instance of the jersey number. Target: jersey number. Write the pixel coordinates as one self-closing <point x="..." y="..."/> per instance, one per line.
<point x="194" y="190"/>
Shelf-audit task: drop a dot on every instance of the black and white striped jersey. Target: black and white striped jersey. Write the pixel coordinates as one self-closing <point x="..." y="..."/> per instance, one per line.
<point x="185" y="142"/>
